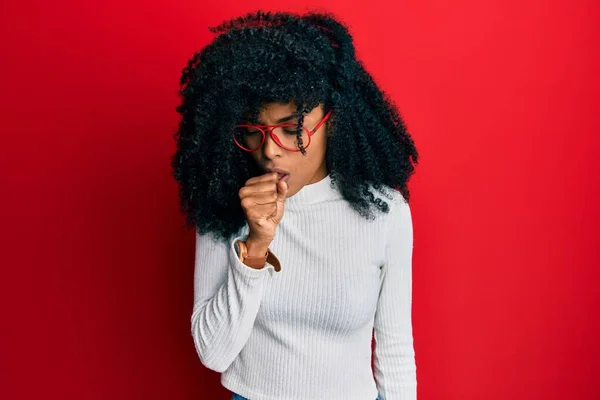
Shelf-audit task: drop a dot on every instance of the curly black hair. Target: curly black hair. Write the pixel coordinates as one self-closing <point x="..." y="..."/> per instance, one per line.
<point x="266" y="57"/>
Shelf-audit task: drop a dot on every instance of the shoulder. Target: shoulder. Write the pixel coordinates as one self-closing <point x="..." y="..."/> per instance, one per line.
<point x="399" y="205"/>
<point x="399" y="212"/>
<point x="395" y="200"/>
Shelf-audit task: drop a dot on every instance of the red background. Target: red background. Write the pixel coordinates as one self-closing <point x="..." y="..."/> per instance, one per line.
<point x="501" y="97"/>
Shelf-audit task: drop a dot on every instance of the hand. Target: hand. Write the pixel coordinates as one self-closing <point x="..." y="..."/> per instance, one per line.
<point x="262" y="199"/>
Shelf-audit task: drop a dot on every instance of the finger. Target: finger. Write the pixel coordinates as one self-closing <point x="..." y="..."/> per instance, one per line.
<point x="282" y="189"/>
<point x="262" y="187"/>
<point x="262" y="197"/>
<point x="268" y="177"/>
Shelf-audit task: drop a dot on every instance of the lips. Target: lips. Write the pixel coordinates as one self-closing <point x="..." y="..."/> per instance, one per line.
<point x="282" y="175"/>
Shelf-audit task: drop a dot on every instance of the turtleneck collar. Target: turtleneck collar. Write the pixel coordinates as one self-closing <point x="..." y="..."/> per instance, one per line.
<point x="314" y="193"/>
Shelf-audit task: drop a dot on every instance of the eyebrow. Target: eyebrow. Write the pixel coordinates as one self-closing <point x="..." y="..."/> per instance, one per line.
<point x="285" y="119"/>
<point x="281" y="120"/>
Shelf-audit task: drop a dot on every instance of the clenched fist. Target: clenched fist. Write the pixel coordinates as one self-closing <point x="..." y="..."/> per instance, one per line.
<point x="262" y="200"/>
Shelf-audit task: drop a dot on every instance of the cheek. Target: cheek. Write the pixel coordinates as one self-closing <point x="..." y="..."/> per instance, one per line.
<point x="314" y="157"/>
<point x="256" y="157"/>
<point x="319" y="150"/>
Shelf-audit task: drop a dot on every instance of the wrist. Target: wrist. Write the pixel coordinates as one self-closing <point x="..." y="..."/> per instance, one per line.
<point x="257" y="248"/>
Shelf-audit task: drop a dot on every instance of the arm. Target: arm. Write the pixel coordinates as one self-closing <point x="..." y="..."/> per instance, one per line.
<point x="394" y="356"/>
<point x="227" y="296"/>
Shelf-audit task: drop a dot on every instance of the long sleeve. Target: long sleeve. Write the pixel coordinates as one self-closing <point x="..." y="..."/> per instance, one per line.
<point x="394" y="356"/>
<point x="227" y="296"/>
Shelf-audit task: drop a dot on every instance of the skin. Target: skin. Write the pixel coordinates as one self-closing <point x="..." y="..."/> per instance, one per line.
<point x="303" y="169"/>
<point x="263" y="197"/>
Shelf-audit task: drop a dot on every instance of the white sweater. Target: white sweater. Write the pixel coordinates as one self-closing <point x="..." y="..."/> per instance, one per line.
<point x="305" y="332"/>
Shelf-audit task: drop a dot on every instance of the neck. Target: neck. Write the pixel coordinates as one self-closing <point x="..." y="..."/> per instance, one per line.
<point x="313" y="193"/>
<point x="321" y="173"/>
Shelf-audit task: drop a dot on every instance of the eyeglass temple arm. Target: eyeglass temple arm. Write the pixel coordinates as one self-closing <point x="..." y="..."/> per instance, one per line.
<point x="325" y="118"/>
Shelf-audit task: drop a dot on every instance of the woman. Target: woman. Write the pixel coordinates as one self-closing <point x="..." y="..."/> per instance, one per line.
<point x="293" y="167"/>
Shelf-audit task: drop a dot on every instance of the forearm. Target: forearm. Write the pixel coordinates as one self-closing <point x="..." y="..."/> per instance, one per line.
<point x="227" y="300"/>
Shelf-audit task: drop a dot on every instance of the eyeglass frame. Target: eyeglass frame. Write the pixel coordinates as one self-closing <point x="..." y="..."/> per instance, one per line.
<point x="269" y="129"/>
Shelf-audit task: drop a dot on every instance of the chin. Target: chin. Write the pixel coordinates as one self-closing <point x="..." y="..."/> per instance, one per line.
<point x="292" y="190"/>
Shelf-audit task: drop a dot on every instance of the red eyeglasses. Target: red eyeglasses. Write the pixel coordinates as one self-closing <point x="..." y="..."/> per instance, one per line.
<point x="251" y="137"/>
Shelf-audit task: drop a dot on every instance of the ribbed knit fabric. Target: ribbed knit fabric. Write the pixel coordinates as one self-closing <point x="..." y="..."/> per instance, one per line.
<point x="305" y="332"/>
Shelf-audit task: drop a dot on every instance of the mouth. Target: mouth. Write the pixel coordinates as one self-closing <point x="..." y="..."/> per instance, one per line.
<point x="282" y="175"/>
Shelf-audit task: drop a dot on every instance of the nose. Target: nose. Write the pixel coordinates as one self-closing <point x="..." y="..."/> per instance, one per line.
<point x="270" y="148"/>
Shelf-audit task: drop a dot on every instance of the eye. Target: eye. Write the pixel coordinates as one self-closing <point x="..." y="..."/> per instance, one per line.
<point x="251" y="132"/>
<point x="289" y="129"/>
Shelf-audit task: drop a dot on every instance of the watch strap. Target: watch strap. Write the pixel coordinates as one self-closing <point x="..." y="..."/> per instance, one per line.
<point x="257" y="262"/>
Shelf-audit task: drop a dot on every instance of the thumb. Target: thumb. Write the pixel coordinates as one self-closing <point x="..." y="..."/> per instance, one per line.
<point x="282" y="189"/>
